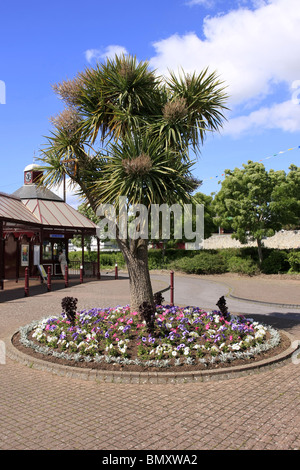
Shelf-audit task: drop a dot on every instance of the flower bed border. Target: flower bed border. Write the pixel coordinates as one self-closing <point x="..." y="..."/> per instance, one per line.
<point x="151" y="377"/>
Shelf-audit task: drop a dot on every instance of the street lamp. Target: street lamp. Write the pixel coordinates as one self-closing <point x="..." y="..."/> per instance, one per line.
<point x="71" y="164"/>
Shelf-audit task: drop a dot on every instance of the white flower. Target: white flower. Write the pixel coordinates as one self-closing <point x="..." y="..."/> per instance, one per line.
<point x="248" y="338"/>
<point x="214" y="348"/>
<point x="260" y="333"/>
<point x="236" y="347"/>
<point x="186" y="351"/>
<point x="194" y="334"/>
<point x="211" y="332"/>
<point x="174" y="353"/>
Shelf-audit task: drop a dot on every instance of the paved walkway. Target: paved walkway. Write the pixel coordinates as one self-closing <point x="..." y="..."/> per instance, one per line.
<point x="43" y="411"/>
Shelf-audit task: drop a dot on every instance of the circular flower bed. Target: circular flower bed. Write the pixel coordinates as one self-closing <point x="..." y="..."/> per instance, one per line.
<point x="180" y="336"/>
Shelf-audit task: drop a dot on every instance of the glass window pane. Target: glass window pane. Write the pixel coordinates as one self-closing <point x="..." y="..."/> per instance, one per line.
<point x="47" y="250"/>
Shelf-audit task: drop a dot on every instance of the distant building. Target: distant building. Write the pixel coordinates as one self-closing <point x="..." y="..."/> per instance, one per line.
<point x="35" y="224"/>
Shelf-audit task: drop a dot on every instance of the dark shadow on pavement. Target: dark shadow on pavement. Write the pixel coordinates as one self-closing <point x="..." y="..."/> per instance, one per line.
<point x="16" y="290"/>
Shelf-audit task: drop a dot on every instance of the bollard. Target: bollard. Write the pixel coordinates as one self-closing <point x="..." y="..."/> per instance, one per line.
<point x="116" y="271"/>
<point x="49" y="279"/>
<point x="172" y="288"/>
<point x="26" y="283"/>
<point x="98" y="259"/>
<point x="66" y="277"/>
<point x="81" y="274"/>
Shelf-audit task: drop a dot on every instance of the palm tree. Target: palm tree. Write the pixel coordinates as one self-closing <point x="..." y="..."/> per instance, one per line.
<point x="129" y="133"/>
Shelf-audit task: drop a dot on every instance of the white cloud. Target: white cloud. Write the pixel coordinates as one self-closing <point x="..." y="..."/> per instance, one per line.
<point x="110" y="51"/>
<point x="71" y="197"/>
<point x="284" y="116"/>
<point x="205" y="3"/>
<point x="252" y="50"/>
<point x="222" y="3"/>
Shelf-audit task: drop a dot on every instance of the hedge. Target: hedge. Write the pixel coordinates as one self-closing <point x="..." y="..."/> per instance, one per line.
<point x="235" y="260"/>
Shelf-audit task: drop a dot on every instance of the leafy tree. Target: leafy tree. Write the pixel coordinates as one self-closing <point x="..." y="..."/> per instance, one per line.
<point x="255" y="203"/>
<point x="209" y="213"/>
<point x="209" y="224"/>
<point x="127" y="132"/>
<point x="88" y="212"/>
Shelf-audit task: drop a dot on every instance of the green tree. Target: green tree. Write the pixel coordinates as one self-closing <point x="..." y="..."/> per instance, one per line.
<point x="209" y="213"/>
<point x="127" y="132"/>
<point x="88" y="212"/>
<point x="209" y="224"/>
<point x="255" y="203"/>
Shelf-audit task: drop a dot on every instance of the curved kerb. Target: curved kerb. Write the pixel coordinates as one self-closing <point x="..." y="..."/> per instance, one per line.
<point x="231" y="296"/>
<point x="148" y="377"/>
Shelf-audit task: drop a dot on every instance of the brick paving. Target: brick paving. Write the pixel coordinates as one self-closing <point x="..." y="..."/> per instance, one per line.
<point x="41" y="411"/>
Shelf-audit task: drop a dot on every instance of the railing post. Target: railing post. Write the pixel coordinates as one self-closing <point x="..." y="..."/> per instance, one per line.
<point x="81" y="274"/>
<point x="66" y="277"/>
<point x="26" y="283"/>
<point x="98" y="259"/>
<point x="2" y="249"/>
<point x="49" y="279"/>
<point x="116" y="271"/>
<point x="172" y="287"/>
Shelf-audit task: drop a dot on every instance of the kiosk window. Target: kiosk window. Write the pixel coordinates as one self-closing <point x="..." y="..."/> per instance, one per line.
<point x="47" y="250"/>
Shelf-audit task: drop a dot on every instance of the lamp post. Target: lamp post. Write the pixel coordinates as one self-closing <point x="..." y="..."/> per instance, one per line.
<point x="71" y="164"/>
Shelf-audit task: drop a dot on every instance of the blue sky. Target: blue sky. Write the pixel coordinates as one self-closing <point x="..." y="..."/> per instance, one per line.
<point x="252" y="44"/>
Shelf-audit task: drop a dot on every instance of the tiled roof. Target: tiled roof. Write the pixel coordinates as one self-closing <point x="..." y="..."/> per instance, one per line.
<point x="43" y="212"/>
<point x="32" y="191"/>
<point x="57" y="214"/>
<point x="12" y="209"/>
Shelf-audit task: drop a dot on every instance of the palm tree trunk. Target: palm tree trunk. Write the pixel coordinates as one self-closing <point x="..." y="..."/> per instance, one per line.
<point x="136" y="257"/>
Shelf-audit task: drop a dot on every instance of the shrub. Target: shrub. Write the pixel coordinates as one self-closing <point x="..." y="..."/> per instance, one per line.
<point x="275" y="262"/>
<point x="69" y="305"/>
<point x="157" y="261"/>
<point x="235" y="264"/>
<point x="107" y="259"/>
<point x="184" y="264"/>
<point x="202" y="263"/>
<point x="294" y="261"/>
